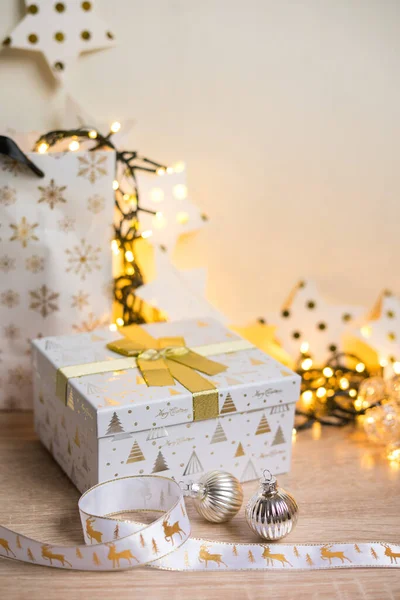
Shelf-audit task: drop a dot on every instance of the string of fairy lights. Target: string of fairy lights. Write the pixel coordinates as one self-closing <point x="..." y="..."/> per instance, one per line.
<point x="127" y="229"/>
<point x="330" y="394"/>
<point x="344" y="391"/>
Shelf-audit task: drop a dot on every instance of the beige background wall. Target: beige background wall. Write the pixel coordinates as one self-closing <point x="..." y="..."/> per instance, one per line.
<point x="287" y="114"/>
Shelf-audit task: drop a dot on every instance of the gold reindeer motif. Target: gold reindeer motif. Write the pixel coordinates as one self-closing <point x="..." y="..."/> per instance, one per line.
<point x="388" y="552"/>
<point x="48" y="555"/>
<point x="6" y="547"/>
<point x="117" y="556"/>
<point x="326" y="554"/>
<point x="171" y="530"/>
<point x="205" y="556"/>
<point x="271" y="557"/>
<point x="92" y="533"/>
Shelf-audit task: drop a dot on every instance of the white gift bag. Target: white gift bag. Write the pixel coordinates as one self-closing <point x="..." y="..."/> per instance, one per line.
<point x="55" y="261"/>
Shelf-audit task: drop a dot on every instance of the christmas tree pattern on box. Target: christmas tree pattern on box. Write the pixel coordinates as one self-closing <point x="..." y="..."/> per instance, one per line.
<point x="136" y="455"/>
<point x="228" y="405"/>
<point x="219" y="435"/>
<point x="160" y="464"/>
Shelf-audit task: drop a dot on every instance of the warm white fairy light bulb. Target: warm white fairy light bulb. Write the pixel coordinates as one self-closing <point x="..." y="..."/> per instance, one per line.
<point x="307" y="364"/>
<point x="304" y="348"/>
<point x="161" y="171"/>
<point x="120" y="322"/>
<point x="115" y="185"/>
<point x="156" y="195"/>
<point x="92" y="134"/>
<point x="146" y="234"/>
<point x="115" y="127"/>
<point x="307" y="396"/>
<point x="42" y="148"/>
<point x="113" y="327"/>
<point x="180" y="191"/>
<point x="74" y="145"/>
<point x="115" y="247"/>
<point x="129" y="255"/>
<point x="179" y="167"/>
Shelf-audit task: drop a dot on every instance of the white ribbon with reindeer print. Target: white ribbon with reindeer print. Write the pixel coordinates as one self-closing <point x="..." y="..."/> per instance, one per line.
<point x="113" y="544"/>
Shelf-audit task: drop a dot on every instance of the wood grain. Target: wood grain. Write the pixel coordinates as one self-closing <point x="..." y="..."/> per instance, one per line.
<point x="345" y="489"/>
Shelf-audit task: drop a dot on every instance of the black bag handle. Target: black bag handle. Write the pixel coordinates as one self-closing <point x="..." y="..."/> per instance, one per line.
<point x="10" y="148"/>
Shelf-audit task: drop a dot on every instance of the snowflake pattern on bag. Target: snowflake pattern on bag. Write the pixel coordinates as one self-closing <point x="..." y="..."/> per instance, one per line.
<point x="55" y="262"/>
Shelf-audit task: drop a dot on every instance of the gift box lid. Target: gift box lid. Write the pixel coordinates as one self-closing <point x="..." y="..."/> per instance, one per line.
<point x="119" y="402"/>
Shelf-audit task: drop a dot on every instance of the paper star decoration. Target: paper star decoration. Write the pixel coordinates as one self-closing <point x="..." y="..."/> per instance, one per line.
<point x="176" y="215"/>
<point x="61" y="31"/>
<point x="381" y="332"/>
<point x="180" y="294"/>
<point x="310" y="324"/>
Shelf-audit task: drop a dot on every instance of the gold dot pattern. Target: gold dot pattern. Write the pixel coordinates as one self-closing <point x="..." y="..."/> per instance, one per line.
<point x="307" y="321"/>
<point x="60" y="30"/>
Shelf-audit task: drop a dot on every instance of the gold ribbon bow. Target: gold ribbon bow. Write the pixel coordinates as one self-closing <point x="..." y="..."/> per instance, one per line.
<point x="162" y="361"/>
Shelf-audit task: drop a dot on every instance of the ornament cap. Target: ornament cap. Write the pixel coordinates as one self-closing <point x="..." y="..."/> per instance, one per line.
<point x="268" y="482"/>
<point x="193" y="489"/>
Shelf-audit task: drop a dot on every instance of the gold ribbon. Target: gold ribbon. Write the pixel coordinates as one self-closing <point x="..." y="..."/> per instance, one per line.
<point x="160" y="362"/>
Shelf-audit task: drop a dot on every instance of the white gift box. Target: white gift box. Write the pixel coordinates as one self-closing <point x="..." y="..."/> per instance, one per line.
<point x="111" y="424"/>
<point x="55" y="260"/>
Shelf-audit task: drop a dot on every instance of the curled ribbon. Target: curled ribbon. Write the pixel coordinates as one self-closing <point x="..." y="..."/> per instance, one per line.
<point x="114" y="544"/>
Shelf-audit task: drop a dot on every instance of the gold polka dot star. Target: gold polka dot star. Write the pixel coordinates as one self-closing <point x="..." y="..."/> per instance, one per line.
<point x="61" y="31"/>
<point x="309" y="324"/>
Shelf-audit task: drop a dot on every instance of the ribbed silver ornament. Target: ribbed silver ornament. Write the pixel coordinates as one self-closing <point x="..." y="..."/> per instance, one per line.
<point x="217" y="496"/>
<point x="271" y="513"/>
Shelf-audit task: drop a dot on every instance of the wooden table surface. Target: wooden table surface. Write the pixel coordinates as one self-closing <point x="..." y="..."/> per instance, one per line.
<point x="345" y="489"/>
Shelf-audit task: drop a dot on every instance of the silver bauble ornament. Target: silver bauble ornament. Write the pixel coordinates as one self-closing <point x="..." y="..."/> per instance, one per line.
<point x="271" y="513"/>
<point x="217" y="496"/>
